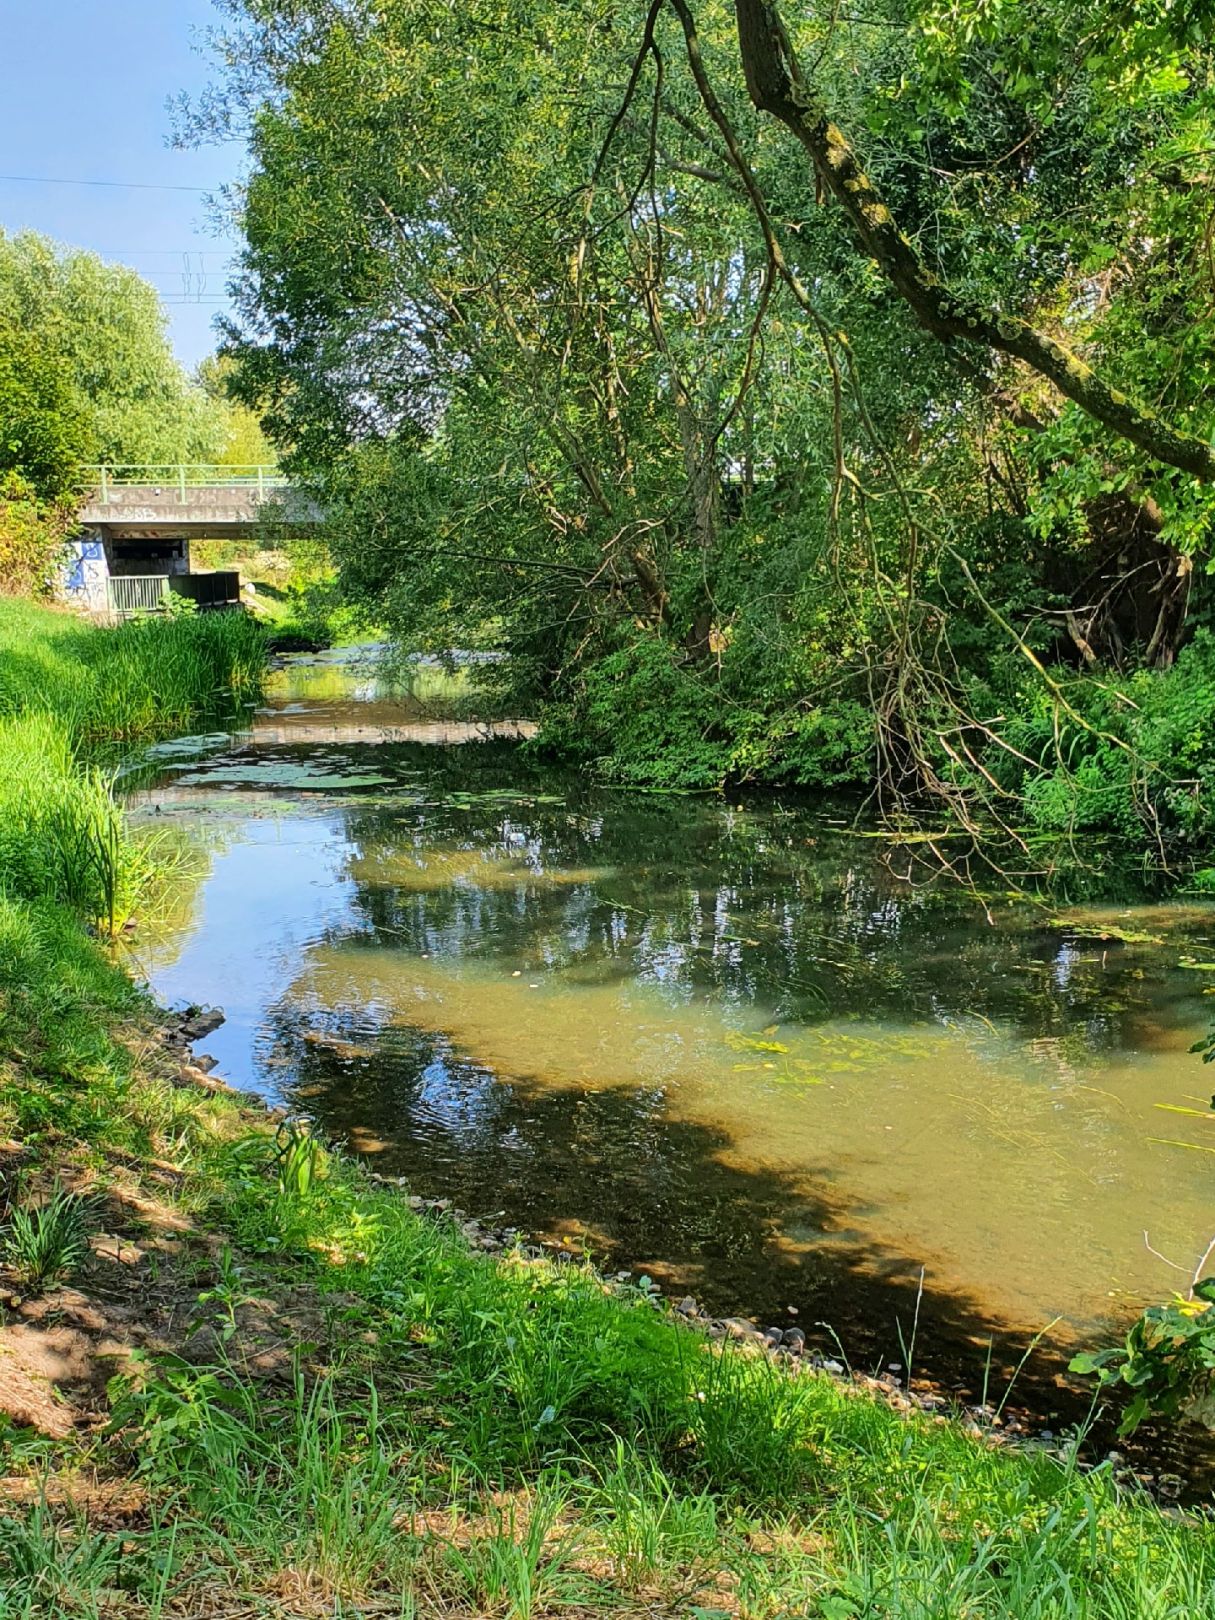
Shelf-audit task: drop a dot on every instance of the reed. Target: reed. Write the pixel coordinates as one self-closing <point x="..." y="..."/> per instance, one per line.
<point x="71" y="695"/>
<point x="139" y="681"/>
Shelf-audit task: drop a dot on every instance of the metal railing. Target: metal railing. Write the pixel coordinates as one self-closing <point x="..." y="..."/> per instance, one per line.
<point x="136" y="593"/>
<point x="181" y="476"/>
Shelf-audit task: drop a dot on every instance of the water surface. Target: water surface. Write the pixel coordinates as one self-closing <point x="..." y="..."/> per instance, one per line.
<point x="713" y="1040"/>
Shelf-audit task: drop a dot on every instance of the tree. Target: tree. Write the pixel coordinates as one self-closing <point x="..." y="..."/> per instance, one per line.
<point x="245" y="443"/>
<point x="549" y="301"/>
<point x="96" y="378"/>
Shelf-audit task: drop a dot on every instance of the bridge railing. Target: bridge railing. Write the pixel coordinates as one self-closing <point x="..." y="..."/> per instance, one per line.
<point x="181" y="476"/>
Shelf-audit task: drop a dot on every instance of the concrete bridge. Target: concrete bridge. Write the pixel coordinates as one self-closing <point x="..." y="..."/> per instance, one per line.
<point x="137" y="523"/>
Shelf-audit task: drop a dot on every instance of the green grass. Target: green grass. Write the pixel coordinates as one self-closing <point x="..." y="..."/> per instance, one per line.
<point x="359" y="1414"/>
<point x="70" y="694"/>
<point x="448" y="1433"/>
<point x="44" y="1242"/>
<point x="142" y="680"/>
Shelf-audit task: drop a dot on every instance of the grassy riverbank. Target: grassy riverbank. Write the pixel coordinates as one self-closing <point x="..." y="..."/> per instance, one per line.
<point x="70" y="693"/>
<point x="242" y="1378"/>
<point x="325" y="1403"/>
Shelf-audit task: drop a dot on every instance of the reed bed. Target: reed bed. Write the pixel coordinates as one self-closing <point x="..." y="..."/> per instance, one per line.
<point x="71" y="695"/>
<point x="142" y="680"/>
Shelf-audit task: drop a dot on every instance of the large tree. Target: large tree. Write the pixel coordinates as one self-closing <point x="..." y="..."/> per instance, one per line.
<point x="808" y="366"/>
<point x="86" y="369"/>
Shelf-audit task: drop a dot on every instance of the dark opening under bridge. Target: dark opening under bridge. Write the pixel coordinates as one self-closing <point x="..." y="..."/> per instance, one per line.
<point x="137" y="522"/>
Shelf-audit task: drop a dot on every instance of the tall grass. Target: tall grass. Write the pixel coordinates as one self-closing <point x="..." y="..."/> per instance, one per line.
<point x="142" y="680"/>
<point x="70" y="693"/>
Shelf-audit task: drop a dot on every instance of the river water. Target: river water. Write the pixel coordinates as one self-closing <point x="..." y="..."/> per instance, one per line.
<point x="714" y="1040"/>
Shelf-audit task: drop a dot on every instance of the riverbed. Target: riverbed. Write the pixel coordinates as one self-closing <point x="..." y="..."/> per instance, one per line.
<point x="713" y="1040"/>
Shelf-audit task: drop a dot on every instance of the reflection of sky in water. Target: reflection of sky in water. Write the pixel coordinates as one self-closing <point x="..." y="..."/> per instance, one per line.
<point x="978" y="1099"/>
<point x="268" y="898"/>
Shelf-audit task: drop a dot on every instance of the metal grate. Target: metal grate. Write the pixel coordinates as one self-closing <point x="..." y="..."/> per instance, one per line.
<point x="136" y="593"/>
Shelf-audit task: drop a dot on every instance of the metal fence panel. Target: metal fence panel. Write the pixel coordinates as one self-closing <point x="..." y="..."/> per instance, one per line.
<point x="136" y="593"/>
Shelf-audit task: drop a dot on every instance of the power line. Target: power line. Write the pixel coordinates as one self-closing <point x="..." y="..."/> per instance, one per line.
<point x="124" y="185"/>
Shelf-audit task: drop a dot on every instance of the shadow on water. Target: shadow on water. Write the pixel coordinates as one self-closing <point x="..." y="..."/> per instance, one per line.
<point x="713" y="1041"/>
<point x="611" y="1175"/>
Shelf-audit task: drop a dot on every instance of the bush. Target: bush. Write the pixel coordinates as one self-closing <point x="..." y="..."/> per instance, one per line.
<point x="645" y="718"/>
<point x="32" y="537"/>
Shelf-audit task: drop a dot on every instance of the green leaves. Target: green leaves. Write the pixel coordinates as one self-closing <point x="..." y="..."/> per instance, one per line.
<point x="1168" y="1359"/>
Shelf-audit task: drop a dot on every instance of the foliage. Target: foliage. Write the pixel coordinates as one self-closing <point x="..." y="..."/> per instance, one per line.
<point x="141" y="680"/>
<point x="67" y="687"/>
<point x="86" y="371"/>
<point x="1167" y="1360"/>
<point x="33" y="534"/>
<point x="245" y="443"/>
<point x="45" y="1242"/>
<point x="47" y="436"/>
<point x="523" y="333"/>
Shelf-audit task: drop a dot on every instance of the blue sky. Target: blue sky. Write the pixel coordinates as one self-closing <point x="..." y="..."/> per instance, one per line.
<point x="85" y="85"/>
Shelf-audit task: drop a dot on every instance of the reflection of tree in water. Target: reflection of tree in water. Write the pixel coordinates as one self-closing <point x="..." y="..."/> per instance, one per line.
<point x="766" y="904"/>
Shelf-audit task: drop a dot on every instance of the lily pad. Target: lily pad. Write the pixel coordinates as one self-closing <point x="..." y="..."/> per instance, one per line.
<point x="261" y="773"/>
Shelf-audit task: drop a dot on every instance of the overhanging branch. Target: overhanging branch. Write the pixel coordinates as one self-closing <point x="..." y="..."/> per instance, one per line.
<point x="776" y="86"/>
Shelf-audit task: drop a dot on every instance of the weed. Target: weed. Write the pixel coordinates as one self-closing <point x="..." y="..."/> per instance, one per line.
<point x="43" y="1243"/>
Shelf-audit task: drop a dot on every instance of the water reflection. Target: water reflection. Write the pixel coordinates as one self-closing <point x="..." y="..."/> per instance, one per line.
<point x="715" y="1040"/>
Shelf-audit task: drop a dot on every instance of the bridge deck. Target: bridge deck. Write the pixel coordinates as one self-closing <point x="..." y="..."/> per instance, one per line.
<point x="147" y="503"/>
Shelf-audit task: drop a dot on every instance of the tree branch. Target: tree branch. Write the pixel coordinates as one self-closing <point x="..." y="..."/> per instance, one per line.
<point x="776" y="86"/>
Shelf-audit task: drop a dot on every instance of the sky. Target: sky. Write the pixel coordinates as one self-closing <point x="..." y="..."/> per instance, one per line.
<point x="83" y="98"/>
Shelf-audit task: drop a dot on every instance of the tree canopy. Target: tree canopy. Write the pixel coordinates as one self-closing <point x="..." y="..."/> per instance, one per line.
<point x="811" y="396"/>
<point x="86" y="369"/>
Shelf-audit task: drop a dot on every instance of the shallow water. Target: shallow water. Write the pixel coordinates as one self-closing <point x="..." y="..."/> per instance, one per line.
<point x="716" y="1042"/>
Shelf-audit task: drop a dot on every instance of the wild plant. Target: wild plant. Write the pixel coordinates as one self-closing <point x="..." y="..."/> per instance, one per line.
<point x="187" y="1424"/>
<point x="517" y="1562"/>
<point x="648" y="1527"/>
<point x="53" y="1569"/>
<point x="44" y="1243"/>
<point x="301" y="1160"/>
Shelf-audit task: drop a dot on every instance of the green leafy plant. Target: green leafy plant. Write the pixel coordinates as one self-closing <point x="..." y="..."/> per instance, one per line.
<point x="46" y="1242"/>
<point x="300" y="1160"/>
<point x="184" y="1421"/>
<point x="1167" y="1359"/>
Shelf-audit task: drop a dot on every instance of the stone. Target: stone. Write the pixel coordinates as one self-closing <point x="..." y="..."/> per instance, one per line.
<point x="198" y="1025"/>
<point x="737" y="1328"/>
<point x="687" y="1306"/>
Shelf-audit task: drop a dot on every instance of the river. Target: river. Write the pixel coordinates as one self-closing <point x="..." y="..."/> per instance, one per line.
<point x="711" y="1039"/>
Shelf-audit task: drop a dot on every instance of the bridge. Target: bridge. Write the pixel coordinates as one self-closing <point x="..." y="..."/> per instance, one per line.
<point x="137" y="522"/>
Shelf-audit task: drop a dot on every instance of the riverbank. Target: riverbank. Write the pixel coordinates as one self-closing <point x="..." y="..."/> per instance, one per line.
<point x="241" y="1375"/>
<point x="268" y="1384"/>
<point x="70" y="695"/>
